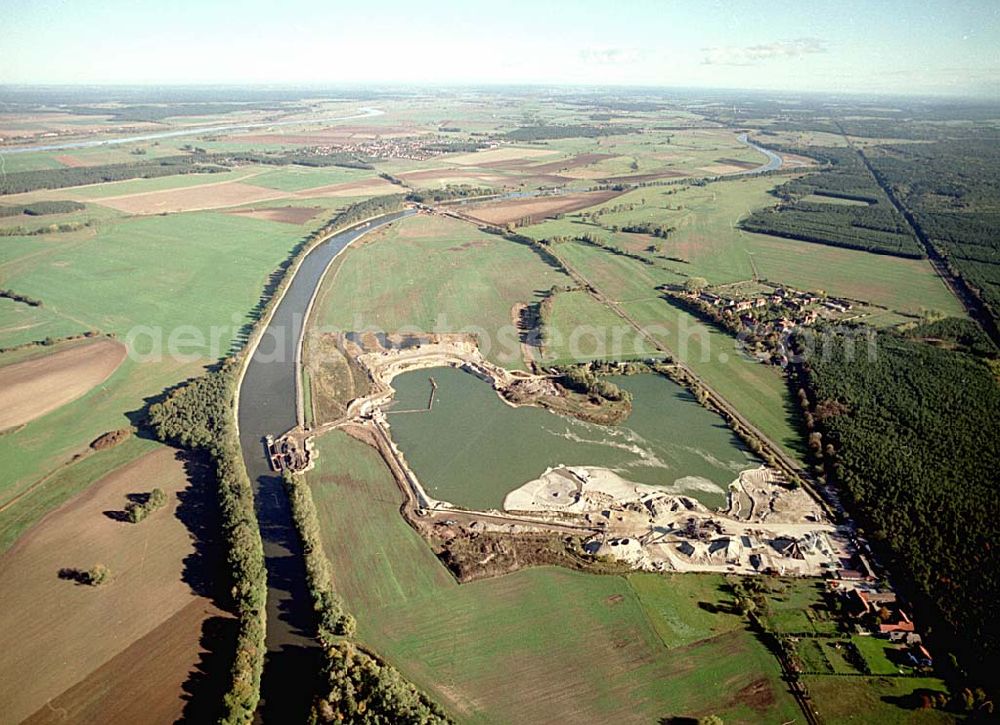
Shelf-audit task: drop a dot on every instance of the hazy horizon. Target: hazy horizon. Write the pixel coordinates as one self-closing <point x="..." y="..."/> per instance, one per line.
<point x="903" y="47"/>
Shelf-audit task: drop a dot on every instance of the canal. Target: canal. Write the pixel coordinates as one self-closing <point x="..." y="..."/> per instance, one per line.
<point x="267" y="406"/>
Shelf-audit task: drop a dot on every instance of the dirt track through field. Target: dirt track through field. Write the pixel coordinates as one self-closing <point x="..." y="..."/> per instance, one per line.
<point x="32" y="388"/>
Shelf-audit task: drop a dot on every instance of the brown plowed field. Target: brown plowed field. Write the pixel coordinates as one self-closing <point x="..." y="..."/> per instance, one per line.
<point x="739" y="164"/>
<point x="555" y="167"/>
<point x="368" y="187"/>
<point x="638" y="178"/>
<point x="451" y="175"/>
<point x="71" y="161"/>
<point x="234" y="193"/>
<point x="502" y="154"/>
<point x="154" y="670"/>
<point x="285" y="214"/>
<point x="32" y="388"/>
<point x="537" y="208"/>
<point x="55" y="633"/>
<point x="192" y="198"/>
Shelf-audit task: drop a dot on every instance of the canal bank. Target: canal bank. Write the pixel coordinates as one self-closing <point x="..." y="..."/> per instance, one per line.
<point x="267" y="405"/>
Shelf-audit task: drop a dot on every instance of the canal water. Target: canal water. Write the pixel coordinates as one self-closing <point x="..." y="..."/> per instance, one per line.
<point x="471" y="448"/>
<point x="267" y="407"/>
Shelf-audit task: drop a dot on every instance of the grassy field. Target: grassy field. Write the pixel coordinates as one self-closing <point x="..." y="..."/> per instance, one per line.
<point x="436" y="274"/>
<point x="157" y="275"/>
<point x="876" y="652"/>
<point x="20" y="323"/>
<point x="705" y="235"/>
<point x="299" y="178"/>
<point x="862" y="700"/>
<point x="907" y="285"/>
<point x="93" y="214"/>
<point x="692" y="152"/>
<point x="796" y="606"/>
<point x="578" y="328"/>
<point x="758" y="391"/>
<point x="159" y="183"/>
<point x="13" y="163"/>
<point x="540" y="644"/>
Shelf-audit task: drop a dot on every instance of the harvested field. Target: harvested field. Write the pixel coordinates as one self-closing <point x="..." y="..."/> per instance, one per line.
<point x="56" y="633"/>
<point x="234" y="193"/>
<point x="538" y="208"/>
<point x="554" y="167"/>
<point x="550" y="167"/>
<point x="177" y="648"/>
<point x="368" y="187"/>
<point x="32" y="388"/>
<point x="205" y="196"/>
<point x="452" y="176"/>
<point x="721" y="169"/>
<point x="284" y="214"/>
<point x="506" y="153"/>
<point x="71" y="161"/>
<point x="738" y="164"/>
<point x="796" y="160"/>
<point x="638" y="178"/>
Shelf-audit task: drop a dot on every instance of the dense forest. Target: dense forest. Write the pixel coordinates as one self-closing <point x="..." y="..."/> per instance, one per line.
<point x="359" y="688"/>
<point x="879" y="229"/>
<point x="955" y="333"/>
<point x="952" y="189"/>
<point x="302" y="157"/>
<point x="910" y="436"/>
<point x="872" y="224"/>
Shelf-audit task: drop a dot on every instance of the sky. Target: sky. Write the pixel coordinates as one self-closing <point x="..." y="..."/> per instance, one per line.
<point x="879" y="46"/>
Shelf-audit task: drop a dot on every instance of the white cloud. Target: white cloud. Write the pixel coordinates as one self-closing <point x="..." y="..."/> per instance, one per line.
<point x="754" y="54"/>
<point x="611" y="56"/>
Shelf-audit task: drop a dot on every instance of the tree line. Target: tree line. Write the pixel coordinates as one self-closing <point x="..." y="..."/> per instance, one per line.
<point x="875" y="227"/>
<point x="199" y="415"/>
<point x="355" y="685"/>
<point x="17" y="182"/>
<point x="10" y="294"/>
<point x="40" y="208"/>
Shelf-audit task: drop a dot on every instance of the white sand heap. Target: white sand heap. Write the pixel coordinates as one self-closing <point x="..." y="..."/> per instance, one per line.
<point x="580" y="489"/>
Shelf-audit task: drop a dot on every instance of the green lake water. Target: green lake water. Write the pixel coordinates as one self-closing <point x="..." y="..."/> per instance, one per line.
<point x="472" y="449"/>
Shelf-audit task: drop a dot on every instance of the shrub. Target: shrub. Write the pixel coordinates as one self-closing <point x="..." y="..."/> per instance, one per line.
<point x="136" y="511"/>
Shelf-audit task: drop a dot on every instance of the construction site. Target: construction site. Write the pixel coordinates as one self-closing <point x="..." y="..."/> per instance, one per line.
<point x="766" y="526"/>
